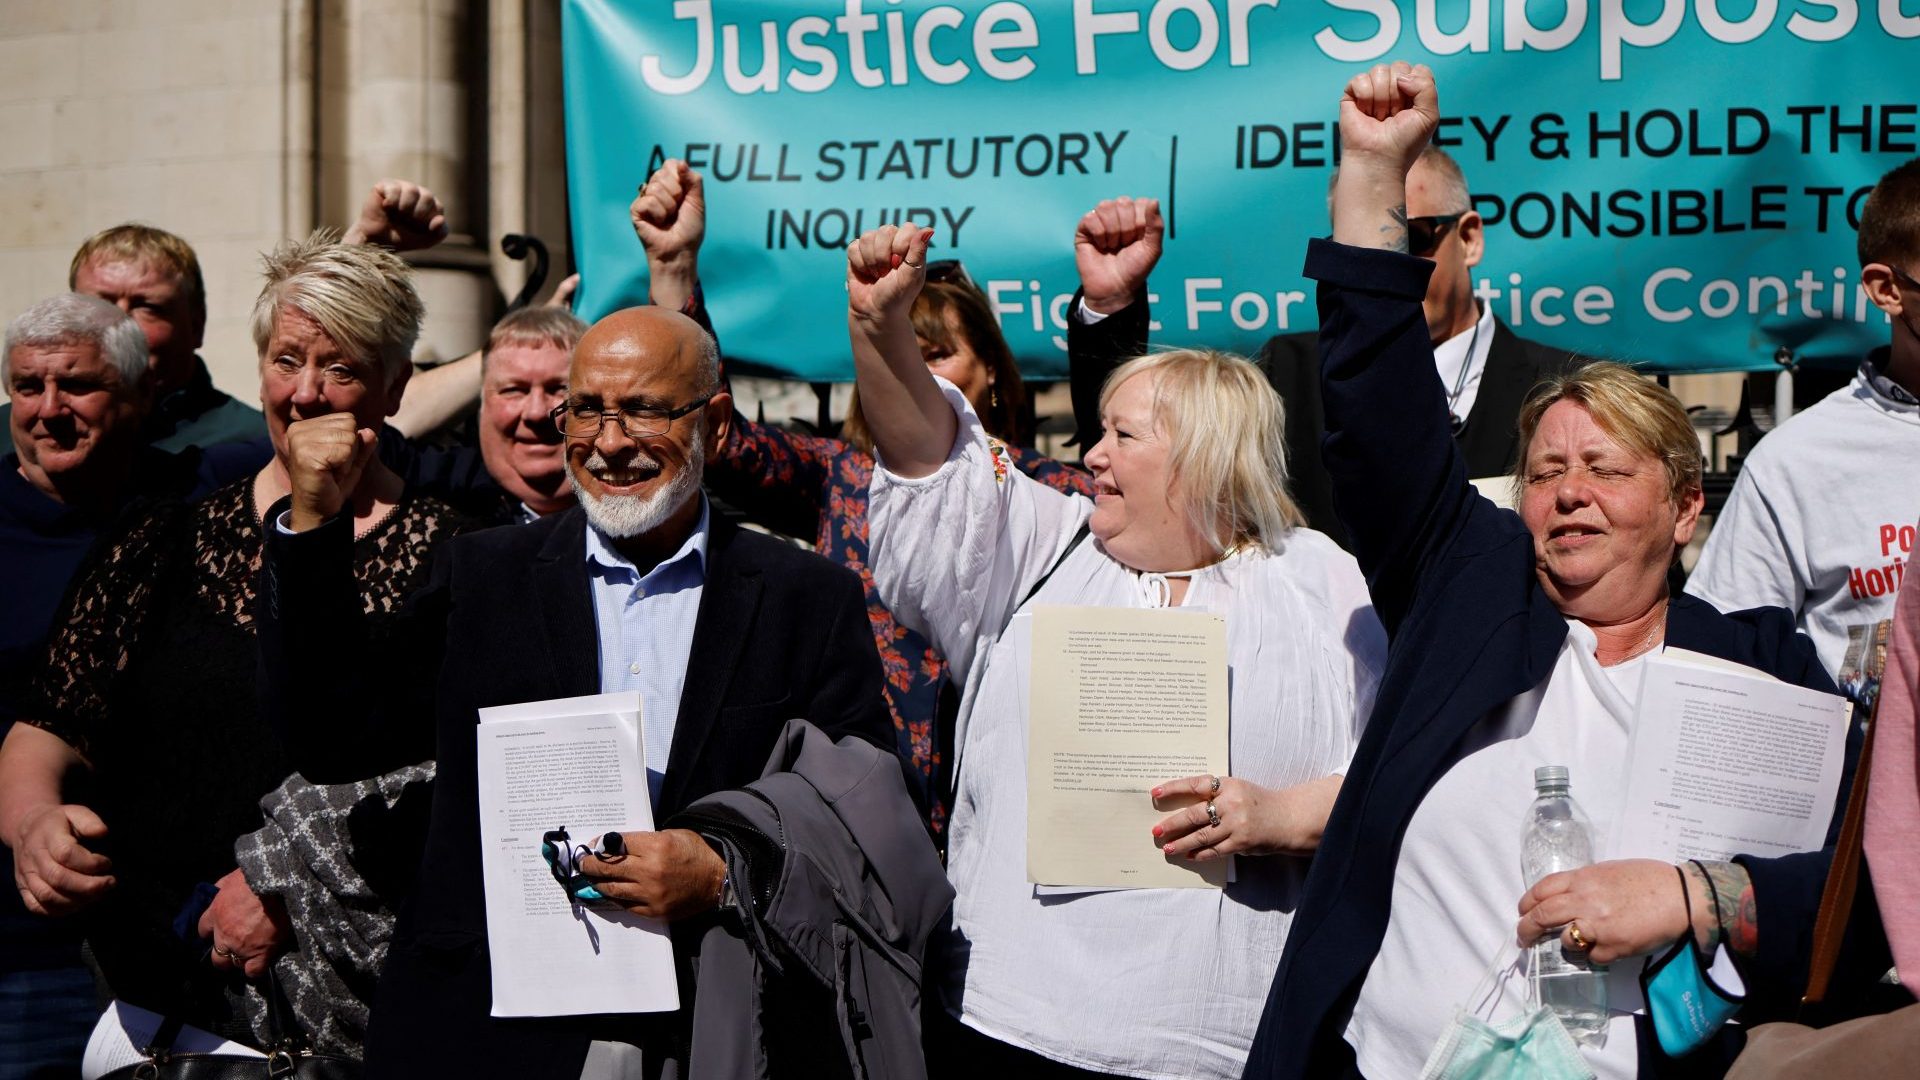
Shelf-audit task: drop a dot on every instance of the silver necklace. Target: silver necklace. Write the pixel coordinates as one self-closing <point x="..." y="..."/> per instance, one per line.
<point x="1655" y="635"/>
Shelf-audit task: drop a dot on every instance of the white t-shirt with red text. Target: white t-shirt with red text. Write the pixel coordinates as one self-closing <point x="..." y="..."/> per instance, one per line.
<point x="1821" y="522"/>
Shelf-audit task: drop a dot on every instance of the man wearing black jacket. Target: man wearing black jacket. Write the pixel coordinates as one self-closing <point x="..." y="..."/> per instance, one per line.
<point x="1485" y="368"/>
<point x="726" y="635"/>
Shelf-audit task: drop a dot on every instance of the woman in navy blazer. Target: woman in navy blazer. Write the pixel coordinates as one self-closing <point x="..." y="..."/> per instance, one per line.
<point x="1477" y="604"/>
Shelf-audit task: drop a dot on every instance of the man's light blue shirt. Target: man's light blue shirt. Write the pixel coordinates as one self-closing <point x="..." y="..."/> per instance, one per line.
<point x="645" y="629"/>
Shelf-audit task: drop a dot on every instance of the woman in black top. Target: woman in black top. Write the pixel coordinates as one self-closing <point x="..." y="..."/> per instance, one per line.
<point x="142" y="759"/>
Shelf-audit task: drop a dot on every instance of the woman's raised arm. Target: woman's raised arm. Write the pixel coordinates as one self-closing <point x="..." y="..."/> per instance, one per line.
<point x="913" y="426"/>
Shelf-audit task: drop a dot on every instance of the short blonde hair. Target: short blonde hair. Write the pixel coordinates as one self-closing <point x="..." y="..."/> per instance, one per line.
<point x="144" y="245"/>
<point x="1641" y="414"/>
<point x="362" y="296"/>
<point x="534" y="327"/>
<point x="1226" y="431"/>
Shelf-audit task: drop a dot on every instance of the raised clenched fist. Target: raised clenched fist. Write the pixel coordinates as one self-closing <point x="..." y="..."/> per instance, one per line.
<point x="669" y="214"/>
<point x="1115" y="247"/>
<point x="401" y="215"/>
<point x="885" y="270"/>
<point x="1387" y="116"/>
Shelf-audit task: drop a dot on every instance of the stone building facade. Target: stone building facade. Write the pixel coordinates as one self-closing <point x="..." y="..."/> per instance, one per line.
<point x="236" y="123"/>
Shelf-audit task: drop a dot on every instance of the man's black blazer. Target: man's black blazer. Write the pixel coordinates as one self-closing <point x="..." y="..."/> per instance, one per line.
<point x="1469" y="628"/>
<point x="1488" y="443"/>
<point x="508" y="617"/>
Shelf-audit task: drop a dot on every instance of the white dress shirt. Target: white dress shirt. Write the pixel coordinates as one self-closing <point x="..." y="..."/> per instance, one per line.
<point x="1469" y="348"/>
<point x="644" y="624"/>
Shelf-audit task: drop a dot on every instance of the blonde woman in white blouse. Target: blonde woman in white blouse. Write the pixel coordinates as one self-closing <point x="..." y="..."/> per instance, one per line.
<point x="1191" y="508"/>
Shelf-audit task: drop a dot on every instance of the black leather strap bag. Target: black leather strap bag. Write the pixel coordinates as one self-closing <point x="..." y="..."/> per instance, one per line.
<point x="289" y="1054"/>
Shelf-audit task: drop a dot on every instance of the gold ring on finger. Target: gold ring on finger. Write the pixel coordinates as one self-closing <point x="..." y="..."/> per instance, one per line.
<point x="1579" y="939"/>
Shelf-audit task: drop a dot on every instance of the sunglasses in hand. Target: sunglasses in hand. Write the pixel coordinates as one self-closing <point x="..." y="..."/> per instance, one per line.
<point x="563" y="858"/>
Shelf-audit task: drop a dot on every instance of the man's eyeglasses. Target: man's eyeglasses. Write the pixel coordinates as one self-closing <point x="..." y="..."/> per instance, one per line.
<point x="1904" y="276"/>
<point x="577" y="420"/>
<point x="1424" y="233"/>
<point x="563" y="858"/>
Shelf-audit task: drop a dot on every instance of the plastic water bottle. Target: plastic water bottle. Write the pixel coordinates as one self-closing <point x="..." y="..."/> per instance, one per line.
<point x="1557" y="837"/>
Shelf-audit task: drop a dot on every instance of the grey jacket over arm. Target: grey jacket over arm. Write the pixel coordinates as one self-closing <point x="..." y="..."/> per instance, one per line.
<point x="837" y="885"/>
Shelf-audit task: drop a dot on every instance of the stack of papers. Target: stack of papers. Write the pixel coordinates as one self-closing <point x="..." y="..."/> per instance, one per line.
<point x="577" y="763"/>
<point x="1728" y="760"/>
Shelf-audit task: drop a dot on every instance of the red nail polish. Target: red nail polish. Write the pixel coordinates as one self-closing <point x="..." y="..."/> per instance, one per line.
<point x="1156" y="793"/>
<point x="1156" y="830"/>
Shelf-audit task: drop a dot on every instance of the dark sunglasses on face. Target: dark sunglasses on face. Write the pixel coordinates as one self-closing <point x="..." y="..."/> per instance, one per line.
<point x="1424" y="233"/>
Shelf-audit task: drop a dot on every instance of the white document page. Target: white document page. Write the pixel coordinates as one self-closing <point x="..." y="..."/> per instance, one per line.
<point x="124" y="1031"/>
<point x="1729" y="761"/>
<point x="1120" y="699"/>
<point x="577" y="763"/>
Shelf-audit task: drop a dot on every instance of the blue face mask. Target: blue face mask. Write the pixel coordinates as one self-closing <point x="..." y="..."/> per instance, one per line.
<point x="1684" y="999"/>
<point x="1532" y="1045"/>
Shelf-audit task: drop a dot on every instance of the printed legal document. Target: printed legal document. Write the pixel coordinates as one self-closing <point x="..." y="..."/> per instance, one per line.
<point x="1119" y="699"/>
<point x="1728" y="760"/>
<point x="577" y="763"/>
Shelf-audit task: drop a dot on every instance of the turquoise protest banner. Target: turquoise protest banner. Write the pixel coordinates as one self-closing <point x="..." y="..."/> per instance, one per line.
<point x="1669" y="182"/>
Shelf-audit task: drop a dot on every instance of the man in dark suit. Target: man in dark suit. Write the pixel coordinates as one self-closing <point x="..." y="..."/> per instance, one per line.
<point x="1485" y="368"/>
<point x="725" y="634"/>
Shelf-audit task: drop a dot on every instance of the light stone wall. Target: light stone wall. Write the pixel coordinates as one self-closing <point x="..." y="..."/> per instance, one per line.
<point x="236" y="123"/>
<point x="170" y="112"/>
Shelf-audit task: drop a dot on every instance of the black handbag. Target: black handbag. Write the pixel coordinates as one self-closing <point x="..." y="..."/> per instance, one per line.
<point x="290" y="1055"/>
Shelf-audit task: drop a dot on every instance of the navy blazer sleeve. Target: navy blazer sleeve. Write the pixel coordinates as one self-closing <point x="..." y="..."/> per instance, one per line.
<point x="1399" y="484"/>
<point x="338" y="723"/>
<point x="1093" y="351"/>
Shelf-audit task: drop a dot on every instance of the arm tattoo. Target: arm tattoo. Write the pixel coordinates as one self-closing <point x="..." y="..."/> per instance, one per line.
<point x="1393" y="236"/>
<point x="1734" y="918"/>
<point x="1743" y="935"/>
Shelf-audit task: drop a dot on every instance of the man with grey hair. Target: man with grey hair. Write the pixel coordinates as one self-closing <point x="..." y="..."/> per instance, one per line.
<point x="724" y="634"/>
<point x="1485" y="369"/>
<point x="75" y="371"/>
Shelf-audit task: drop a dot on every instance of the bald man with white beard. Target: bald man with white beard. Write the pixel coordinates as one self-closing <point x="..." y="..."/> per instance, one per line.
<point x="725" y="634"/>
